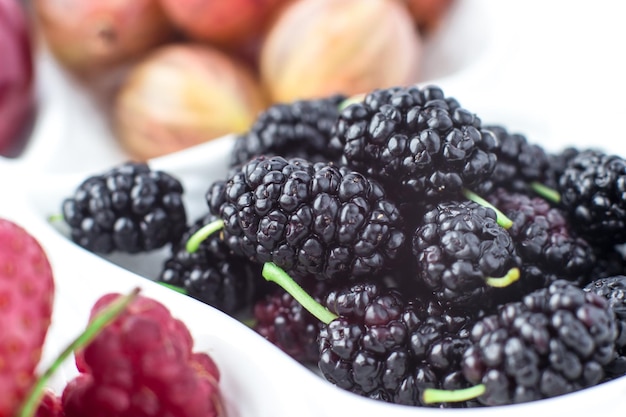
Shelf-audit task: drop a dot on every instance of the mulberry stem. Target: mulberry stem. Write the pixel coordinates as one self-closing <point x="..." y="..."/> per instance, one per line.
<point x="502" y="220"/>
<point x="275" y="274"/>
<point x="511" y="276"/>
<point x="433" y="395"/>
<point x="106" y="316"/>
<point x="174" y="287"/>
<point x="201" y="235"/>
<point x="357" y="98"/>
<point x="54" y="218"/>
<point x="546" y="192"/>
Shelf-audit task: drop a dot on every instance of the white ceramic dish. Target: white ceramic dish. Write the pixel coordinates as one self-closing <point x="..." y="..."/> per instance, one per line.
<point x="257" y="378"/>
<point x="487" y="59"/>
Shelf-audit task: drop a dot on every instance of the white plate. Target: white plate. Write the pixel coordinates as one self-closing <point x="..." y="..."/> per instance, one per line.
<point x="502" y="60"/>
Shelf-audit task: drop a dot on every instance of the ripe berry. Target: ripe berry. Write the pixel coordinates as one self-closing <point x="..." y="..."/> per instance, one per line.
<point x="299" y="129"/>
<point x="593" y="194"/>
<point x="384" y="347"/>
<point x="613" y="289"/>
<point x="26" y="302"/>
<point x="463" y="255"/>
<point x="520" y="163"/>
<point x="142" y="364"/>
<point x="420" y="144"/>
<point x="212" y="273"/>
<point x="130" y="208"/>
<point x="555" y="341"/>
<point x="308" y="218"/>
<point x="283" y="321"/>
<point x="549" y="247"/>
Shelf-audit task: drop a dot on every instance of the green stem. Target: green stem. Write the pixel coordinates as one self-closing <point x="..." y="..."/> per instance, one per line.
<point x="502" y="220"/>
<point x="433" y="395"/>
<point x="511" y="276"/>
<point x="357" y="98"/>
<point x="275" y="274"/>
<point x="250" y="322"/>
<point x="200" y="236"/>
<point x="55" y="218"/>
<point x="174" y="287"/>
<point x="107" y="315"/>
<point x="546" y="192"/>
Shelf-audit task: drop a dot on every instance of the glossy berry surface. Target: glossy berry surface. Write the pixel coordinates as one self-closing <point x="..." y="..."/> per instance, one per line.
<point x="299" y="129"/>
<point x="519" y="162"/>
<point x="417" y="142"/>
<point x="458" y="246"/>
<point x="613" y="289"/>
<point x="547" y="243"/>
<point x="211" y="274"/>
<point x="593" y="194"/>
<point x="309" y="218"/>
<point x="389" y="349"/>
<point x="129" y="208"/>
<point x="555" y="341"/>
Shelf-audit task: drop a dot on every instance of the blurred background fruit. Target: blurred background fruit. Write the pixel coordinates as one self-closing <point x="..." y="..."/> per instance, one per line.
<point x="226" y="23"/>
<point x="90" y="38"/>
<point x="182" y="95"/>
<point x="321" y="47"/>
<point x="17" y="101"/>
<point x="256" y="53"/>
<point x="428" y="14"/>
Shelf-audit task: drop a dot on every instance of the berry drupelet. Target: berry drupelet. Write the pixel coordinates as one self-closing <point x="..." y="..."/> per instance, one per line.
<point x="545" y="241"/>
<point x="555" y="341"/>
<point x="418" y="143"/>
<point x="593" y="194"/>
<point x="129" y="208"/>
<point x="300" y="129"/>
<point x="463" y="256"/>
<point x="308" y="218"/>
<point x="212" y="273"/>
<point x="613" y="289"/>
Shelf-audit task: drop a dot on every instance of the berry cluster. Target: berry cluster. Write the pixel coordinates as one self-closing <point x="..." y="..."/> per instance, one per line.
<point x="427" y="259"/>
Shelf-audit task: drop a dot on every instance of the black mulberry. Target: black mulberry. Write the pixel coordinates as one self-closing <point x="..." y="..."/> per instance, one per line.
<point x="520" y="163"/>
<point x="300" y="129"/>
<point x="593" y="194"/>
<point x="284" y="322"/>
<point x="212" y="273"/>
<point x="130" y="208"/>
<point x="385" y="348"/>
<point x="364" y="350"/>
<point x="463" y="255"/>
<point x="418" y="143"/>
<point x="613" y="289"/>
<point x="545" y="241"/>
<point x="555" y="341"/>
<point x="308" y="218"/>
